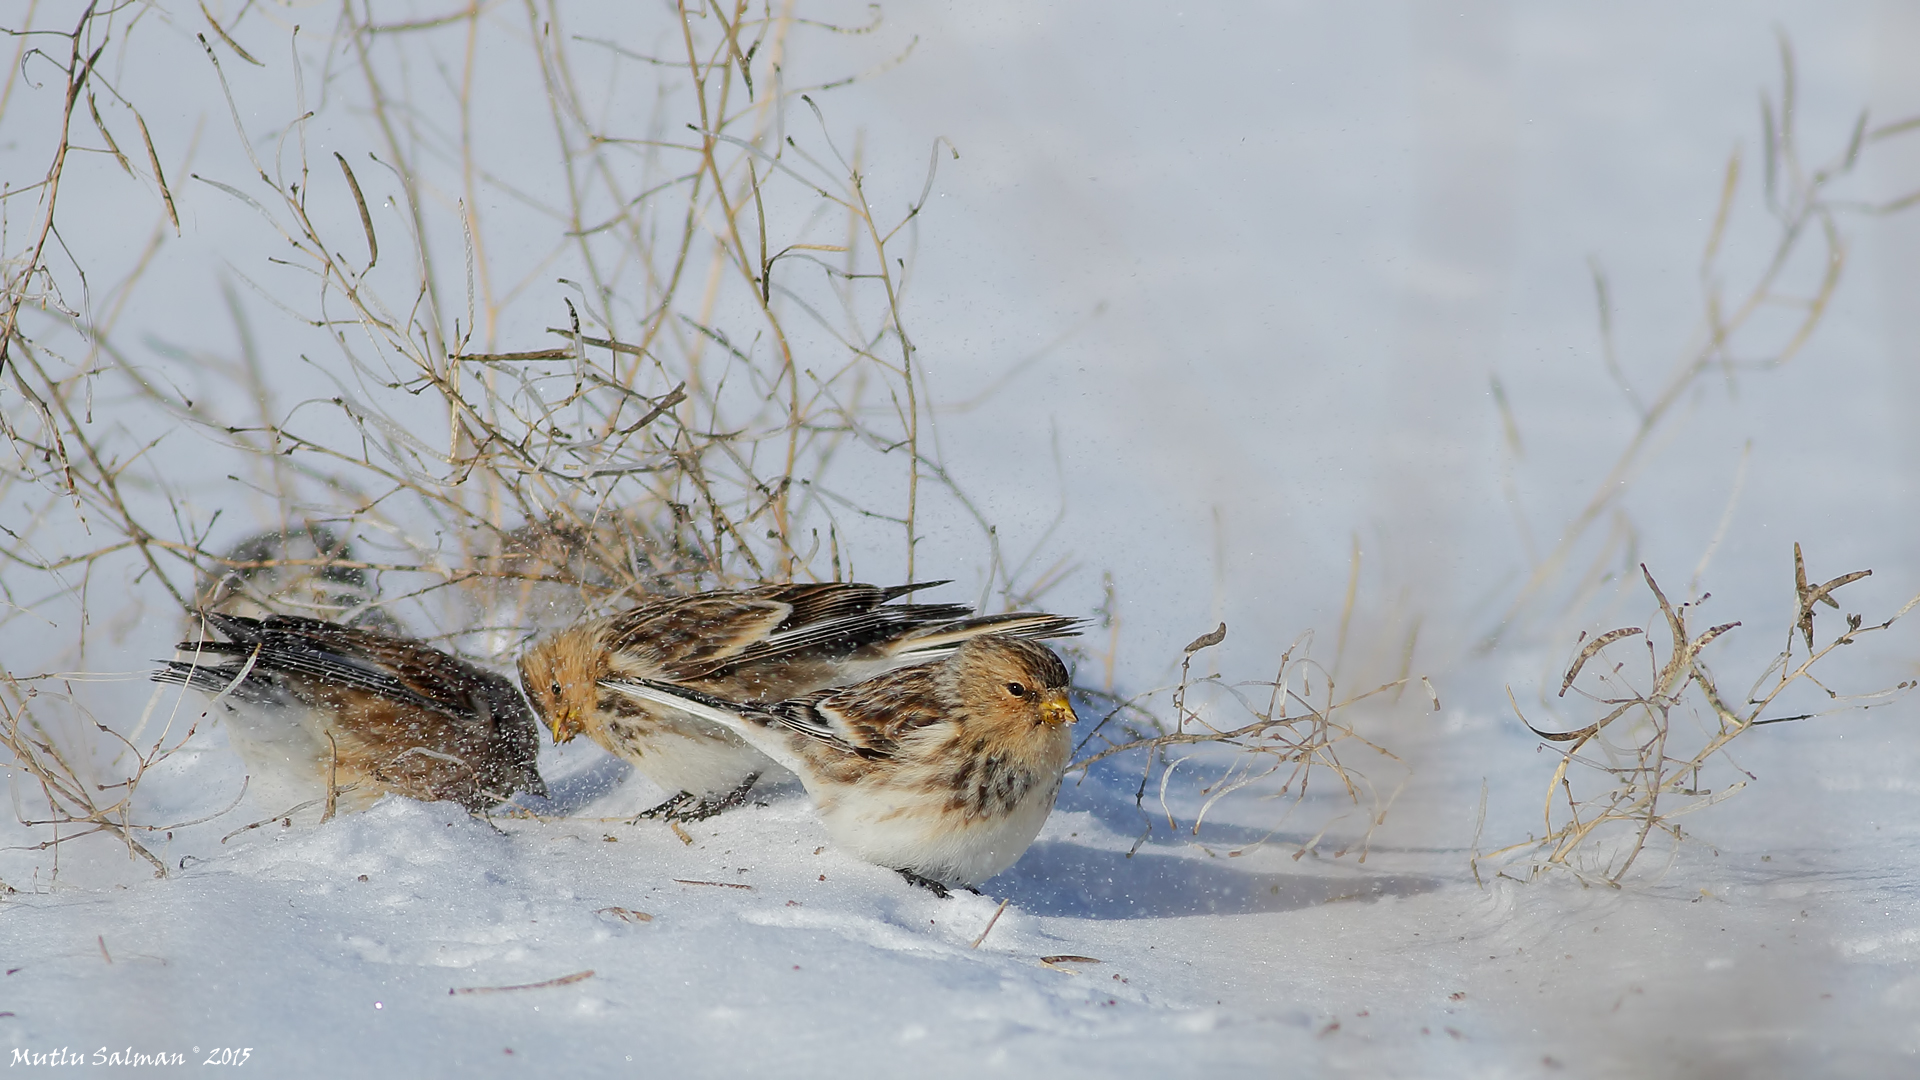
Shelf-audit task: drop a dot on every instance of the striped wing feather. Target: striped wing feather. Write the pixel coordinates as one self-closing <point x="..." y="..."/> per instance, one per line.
<point x="867" y="719"/>
<point x="391" y="668"/>
<point x="711" y="635"/>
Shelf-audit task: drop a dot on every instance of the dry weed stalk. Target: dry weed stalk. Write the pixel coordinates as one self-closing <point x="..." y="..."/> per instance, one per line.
<point x="1288" y="738"/>
<point x="1663" y="769"/>
<point x="1737" y="332"/>
<point x="75" y="804"/>
<point x="670" y="438"/>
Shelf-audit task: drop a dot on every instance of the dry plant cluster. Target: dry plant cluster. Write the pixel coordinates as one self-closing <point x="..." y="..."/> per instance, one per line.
<point x="1660" y="749"/>
<point x="730" y="394"/>
<point x="1601" y="811"/>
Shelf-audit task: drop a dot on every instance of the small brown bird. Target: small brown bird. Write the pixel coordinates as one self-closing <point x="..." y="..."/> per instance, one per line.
<point x="307" y="569"/>
<point x="944" y="771"/>
<point x="752" y="645"/>
<point x="328" y="715"/>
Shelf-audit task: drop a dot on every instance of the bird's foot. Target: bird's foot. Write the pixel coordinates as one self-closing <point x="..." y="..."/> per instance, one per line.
<point x="927" y="883"/>
<point x="687" y="806"/>
<point x="665" y="809"/>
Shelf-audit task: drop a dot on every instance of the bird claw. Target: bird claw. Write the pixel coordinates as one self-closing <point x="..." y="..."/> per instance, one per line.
<point x="932" y="886"/>
<point x="665" y="809"/>
<point x="687" y="806"/>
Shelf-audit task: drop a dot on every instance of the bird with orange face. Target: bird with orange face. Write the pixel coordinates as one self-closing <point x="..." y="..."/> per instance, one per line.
<point x="335" y="717"/>
<point x="944" y="771"/>
<point x="762" y="644"/>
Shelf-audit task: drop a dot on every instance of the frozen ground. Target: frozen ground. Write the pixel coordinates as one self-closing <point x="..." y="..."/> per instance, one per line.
<point x="1311" y="237"/>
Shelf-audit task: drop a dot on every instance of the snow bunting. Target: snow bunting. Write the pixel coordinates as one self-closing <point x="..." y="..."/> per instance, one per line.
<point x="325" y="715"/>
<point x="547" y="573"/>
<point x="944" y="771"/>
<point x="753" y="645"/>
<point x="306" y="570"/>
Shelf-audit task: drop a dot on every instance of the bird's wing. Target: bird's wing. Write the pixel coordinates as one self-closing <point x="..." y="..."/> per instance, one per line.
<point x="873" y="716"/>
<point x="826" y="724"/>
<point x="936" y="642"/>
<point x="217" y="679"/>
<point x="841" y="634"/>
<point x="757" y="724"/>
<point x="286" y="648"/>
<point x="827" y="600"/>
<point x="399" y="669"/>
<point x="690" y="638"/>
<point x="679" y="633"/>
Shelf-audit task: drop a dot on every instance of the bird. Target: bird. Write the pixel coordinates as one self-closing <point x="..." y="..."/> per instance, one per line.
<point x="759" y="644"/>
<point x="306" y="569"/>
<point x="944" y="771"/>
<point x="331" y="715"/>
<point x="550" y="571"/>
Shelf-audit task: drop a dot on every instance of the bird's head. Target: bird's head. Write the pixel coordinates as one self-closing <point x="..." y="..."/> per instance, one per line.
<point x="1017" y="681"/>
<point x="561" y="676"/>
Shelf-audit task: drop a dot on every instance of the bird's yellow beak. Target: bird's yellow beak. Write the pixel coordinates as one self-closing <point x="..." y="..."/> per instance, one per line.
<point x="1055" y="709"/>
<point x="566" y="724"/>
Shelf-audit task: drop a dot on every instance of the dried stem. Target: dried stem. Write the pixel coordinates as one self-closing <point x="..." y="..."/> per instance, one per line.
<point x="1661" y="776"/>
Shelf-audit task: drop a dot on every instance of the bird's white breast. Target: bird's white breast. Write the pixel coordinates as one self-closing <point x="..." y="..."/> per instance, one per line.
<point x="684" y="754"/>
<point x="926" y="835"/>
<point x="287" y="755"/>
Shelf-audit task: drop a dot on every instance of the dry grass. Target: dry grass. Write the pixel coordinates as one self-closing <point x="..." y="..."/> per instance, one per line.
<point x="1274" y="740"/>
<point x="78" y="802"/>
<point x="642" y="443"/>
<point x="1665" y="728"/>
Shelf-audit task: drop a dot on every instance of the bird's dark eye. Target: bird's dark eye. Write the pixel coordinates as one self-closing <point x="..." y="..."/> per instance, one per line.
<point x="556" y="689"/>
<point x="1016" y="689"/>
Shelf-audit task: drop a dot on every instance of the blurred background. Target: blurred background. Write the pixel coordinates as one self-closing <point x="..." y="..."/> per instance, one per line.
<point x="1208" y="300"/>
<point x="1261" y="272"/>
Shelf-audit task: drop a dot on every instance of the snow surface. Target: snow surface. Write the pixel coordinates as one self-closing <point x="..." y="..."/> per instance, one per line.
<point x="1286" y="249"/>
<point x="1786" y="948"/>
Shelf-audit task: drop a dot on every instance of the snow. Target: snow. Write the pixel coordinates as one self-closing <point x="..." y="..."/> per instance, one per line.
<point x="340" y="947"/>
<point x="1268" y="262"/>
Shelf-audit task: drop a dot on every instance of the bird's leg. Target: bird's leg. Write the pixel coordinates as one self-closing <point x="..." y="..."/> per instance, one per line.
<point x="927" y="883"/>
<point x="665" y="808"/>
<point x="687" y="806"/>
